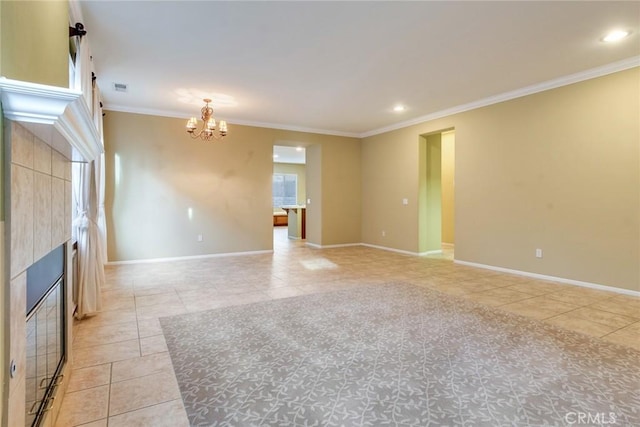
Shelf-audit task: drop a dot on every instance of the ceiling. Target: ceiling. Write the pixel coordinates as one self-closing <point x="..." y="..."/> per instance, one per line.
<point x="341" y="67"/>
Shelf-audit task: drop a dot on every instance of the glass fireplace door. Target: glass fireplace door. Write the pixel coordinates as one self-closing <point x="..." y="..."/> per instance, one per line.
<point x="45" y="353"/>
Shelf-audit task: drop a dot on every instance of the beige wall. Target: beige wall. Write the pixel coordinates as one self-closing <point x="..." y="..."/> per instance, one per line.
<point x="557" y="170"/>
<point x="35" y="41"/>
<point x="390" y="172"/>
<point x="448" y="188"/>
<point x="294" y="169"/>
<point x="341" y="193"/>
<point x="227" y="184"/>
<point x="314" y="193"/>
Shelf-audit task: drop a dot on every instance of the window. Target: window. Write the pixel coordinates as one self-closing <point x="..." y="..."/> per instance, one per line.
<point x="285" y="189"/>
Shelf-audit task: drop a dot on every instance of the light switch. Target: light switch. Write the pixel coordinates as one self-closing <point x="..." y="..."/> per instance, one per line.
<point x="405" y="201"/>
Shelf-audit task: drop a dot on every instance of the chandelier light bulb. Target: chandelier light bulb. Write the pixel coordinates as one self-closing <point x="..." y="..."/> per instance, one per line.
<point x="192" y="124"/>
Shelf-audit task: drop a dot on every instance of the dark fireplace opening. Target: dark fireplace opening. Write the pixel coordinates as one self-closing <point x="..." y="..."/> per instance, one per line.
<point x="45" y="333"/>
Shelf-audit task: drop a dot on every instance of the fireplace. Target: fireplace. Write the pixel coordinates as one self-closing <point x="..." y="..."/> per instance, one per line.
<point x="44" y="128"/>
<point x="45" y="333"/>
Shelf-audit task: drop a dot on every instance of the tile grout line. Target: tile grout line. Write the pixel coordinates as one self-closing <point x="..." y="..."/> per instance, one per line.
<point x="109" y="396"/>
<point x="619" y="329"/>
<point x="358" y="272"/>
<point x="145" y="407"/>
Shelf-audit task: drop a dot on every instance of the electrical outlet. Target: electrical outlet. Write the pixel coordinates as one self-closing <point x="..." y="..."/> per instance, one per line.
<point x="538" y="253"/>
<point x="384" y="233"/>
<point x="199" y="237"/>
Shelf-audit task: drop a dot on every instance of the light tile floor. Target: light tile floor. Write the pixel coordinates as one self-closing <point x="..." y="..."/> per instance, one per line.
<point x="122" y="373"/>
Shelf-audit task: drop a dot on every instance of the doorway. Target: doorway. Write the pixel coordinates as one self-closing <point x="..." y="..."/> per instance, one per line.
<point x="289" y="194"/>
<point x="437" y="194"/>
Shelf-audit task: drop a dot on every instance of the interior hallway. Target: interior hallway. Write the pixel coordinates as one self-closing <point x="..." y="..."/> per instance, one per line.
<point x="122" y="374"/>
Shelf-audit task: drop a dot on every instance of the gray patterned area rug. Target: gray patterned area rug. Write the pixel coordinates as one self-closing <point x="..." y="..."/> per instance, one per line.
<point x="394" y="355"/>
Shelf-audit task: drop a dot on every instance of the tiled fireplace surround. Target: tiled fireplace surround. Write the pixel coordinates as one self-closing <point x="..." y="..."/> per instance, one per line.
<point x="38" y="195"/>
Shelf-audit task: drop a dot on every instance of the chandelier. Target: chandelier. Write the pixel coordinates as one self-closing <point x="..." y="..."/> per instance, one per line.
<point x="209" y="125"/>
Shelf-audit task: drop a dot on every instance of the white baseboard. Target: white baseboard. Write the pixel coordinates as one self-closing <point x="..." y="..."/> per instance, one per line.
<point x="385" y="248"/>
<point x="186" y="258"/>
<point x="435" y="252"/>
<point x="552" y="278"/>
<point x="471" y="264"/>
<point x="340" y="245"/>
<point x="401" y="251"/>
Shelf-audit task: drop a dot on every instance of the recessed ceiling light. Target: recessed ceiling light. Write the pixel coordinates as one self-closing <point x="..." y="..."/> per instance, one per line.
<point x="399" y="108"/>
<point x="615" y="36"/>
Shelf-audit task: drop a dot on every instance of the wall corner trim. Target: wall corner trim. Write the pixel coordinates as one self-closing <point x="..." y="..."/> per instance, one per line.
<point x="552" y="278"/>
<point x="59" y="116"/>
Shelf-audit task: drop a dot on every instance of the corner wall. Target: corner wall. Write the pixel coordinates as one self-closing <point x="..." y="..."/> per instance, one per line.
<point x="558" y="170"/>
<point x="314" y="194"/>
<point x="35" y="41"/>
<point x="432" y="234"/>
<point x="448" y="187"/>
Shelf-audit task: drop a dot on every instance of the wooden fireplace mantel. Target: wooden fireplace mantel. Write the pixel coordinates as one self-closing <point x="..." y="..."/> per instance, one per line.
<point x="58" y="116"/>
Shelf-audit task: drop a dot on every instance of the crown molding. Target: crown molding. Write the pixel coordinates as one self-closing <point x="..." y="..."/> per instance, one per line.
<point x="181" y="115"/>
<point x="506" y="96"/>
<point x="592" y="73"/>
<point x="58" y="116"/>
<point x="295" y="128"/>
<point x="146" y="111"/>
